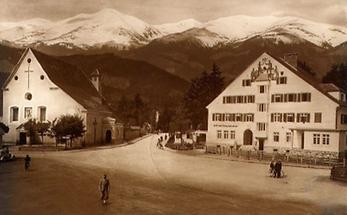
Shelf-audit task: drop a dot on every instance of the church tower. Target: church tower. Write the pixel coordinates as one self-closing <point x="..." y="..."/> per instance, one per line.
<point x="95" y="79"/>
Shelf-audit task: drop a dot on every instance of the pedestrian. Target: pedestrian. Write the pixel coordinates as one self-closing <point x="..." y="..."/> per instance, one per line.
<point x="272" y="168"/>
<point x="278" y="168"/>
<point x="27" y="160"/>
<point x="104" y="187"/>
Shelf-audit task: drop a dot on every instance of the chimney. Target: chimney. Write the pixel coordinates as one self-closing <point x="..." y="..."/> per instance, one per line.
<point x="95" y="79"/>
<point x="292" y="59"/>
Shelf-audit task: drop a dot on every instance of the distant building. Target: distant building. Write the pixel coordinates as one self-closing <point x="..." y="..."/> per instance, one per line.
<point x="274" y="105"/>
<point x="44" y="88"/>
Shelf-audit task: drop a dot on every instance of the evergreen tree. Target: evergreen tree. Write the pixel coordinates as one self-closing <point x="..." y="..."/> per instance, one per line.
<point x="337" y="75"/>
<point x="201" y="92"/>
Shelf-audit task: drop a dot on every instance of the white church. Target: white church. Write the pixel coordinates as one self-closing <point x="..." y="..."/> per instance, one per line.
<point x="43" y="88"/>
<point x="274" y="105"/>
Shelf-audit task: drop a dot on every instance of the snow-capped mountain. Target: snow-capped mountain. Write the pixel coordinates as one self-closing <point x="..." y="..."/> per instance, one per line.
<point x="239" y="28"/>
<point x="178" y="27"/>
<point x="106" y="27"/>
<point x="112" y="29"/>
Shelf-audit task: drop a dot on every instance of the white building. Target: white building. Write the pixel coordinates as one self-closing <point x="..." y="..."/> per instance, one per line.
<point x="274" y="105"/>
<point x="44" y="88"/>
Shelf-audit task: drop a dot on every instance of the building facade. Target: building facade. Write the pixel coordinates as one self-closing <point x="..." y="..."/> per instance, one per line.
<point x="273" y="105"/>
<point x="43" y="88"/>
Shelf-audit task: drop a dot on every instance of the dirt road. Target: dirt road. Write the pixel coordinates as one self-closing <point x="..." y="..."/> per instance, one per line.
<point x="146" y="180"/>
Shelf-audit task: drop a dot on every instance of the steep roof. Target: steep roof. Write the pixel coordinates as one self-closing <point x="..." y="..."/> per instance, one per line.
<point x="307" y="78"/>
<point x="329" y="87"/>
<point x="302" y="74"/>
<point x="68" y="78"/>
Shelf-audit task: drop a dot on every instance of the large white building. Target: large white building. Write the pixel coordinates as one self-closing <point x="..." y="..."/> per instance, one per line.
<point x="274" y="105"/>
<point x="44" y="88"/>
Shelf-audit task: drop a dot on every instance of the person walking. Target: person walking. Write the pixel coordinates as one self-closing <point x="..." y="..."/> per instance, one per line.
<point x="27" y="160"/>
<point x="272" y="168"/>
<point x="278" y="168"/>
<point x="104" y="187"/>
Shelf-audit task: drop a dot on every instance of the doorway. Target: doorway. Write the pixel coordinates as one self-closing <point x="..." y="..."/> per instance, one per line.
<point x="261" y="144"/>
<point x="22" y="138"/>
<point x="247" y="137"/>
<point x="108" y="137"/>
<point x="302" y="140"/>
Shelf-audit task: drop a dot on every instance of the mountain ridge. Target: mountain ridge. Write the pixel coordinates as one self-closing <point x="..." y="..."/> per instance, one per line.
<point x="116" y="30"/>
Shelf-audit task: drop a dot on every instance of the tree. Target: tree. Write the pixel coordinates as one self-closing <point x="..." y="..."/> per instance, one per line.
<point x="139" y="109"/>
<point x="201" y="92"/>
<point x="68" y="126"/>
<point x="337" y="75"/>
<point x="31" y="127"/>
<point x="43" y="128"/>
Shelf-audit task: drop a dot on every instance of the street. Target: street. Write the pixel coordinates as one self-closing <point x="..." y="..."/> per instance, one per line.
<point x="147" y="180"/>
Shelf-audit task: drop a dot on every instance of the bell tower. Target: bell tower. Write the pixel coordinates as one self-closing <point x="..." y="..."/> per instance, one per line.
<point x="95" y="79"/>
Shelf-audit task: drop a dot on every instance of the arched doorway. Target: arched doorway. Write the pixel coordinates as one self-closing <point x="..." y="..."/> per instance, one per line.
<point x="108" y="137"/>
<point x="247" y="137"/>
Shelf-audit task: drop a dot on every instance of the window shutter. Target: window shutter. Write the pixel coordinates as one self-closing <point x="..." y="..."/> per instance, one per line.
<point x="284" y="117"/>
<point x="272" y="98"/>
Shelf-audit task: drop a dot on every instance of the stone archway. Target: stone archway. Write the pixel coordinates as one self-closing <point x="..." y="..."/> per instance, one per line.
<point x="247" y="137"/>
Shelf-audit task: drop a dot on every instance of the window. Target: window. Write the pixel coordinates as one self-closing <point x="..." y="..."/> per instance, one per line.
<point x="317" y="117"/>
<point x="28" y="96"/>
<point x="238" y="99"/>
<point x="42" y="114"/>
<point x="343" y="119"/>
<point x="250" y="99"/>
<point x="288" y="136"/>
<point x="277" y="98"/>
<point x="305" y="97"/>
<point x="291" y="97"/>
<point x="316" y="138"/>
<point x="276" y="117"/>
<point x="276" y="136"/>
<point x="219" y="134"/>
<point x="261" y="126"/>
<point x="28" y="112"/>
<point x="288" y="117"/>
<point x="238" y="117"/>
<point x="232" y="134"/>
<point x="282" y="80"/>
<point x="262" y="88"/>
<point x="14" y="112"/>
<point x="326" y="139"/>
<point x="303" y="117"/>
<point x="261" y="107"/>
<point x="226" y="134"/>
<point x="246" y="82"/>
<point x="249" y="117"/>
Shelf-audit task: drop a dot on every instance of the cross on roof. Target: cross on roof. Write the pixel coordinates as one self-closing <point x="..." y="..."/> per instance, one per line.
<point x="28" y="71"/>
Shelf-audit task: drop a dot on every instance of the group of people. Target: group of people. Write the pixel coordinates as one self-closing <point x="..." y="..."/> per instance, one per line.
<point x="276" y="168"/>
<point x="160" y="141"/>
<point x="5" y="154"/>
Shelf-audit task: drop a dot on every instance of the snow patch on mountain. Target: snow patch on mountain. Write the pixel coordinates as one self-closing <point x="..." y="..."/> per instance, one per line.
<point x="177" y="27"/>
<point x="111" y="28"/>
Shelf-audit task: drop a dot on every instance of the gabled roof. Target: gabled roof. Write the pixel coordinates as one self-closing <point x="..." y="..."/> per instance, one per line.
<point x="67" y="77"/>
<point x="307" y="78"/>
<point x="329" y="87"/>
<point x="302" y="74"/>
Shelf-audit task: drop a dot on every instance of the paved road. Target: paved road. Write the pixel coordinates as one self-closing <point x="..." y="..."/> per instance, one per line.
<point x="146" y="180"/>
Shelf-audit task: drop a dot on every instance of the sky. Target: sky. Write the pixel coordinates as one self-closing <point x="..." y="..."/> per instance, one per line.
<point x="163" y="11"/>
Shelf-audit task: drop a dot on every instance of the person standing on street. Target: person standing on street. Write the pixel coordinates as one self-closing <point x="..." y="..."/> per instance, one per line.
<point x="27" y="160"/>
<point x="104" y="187"/>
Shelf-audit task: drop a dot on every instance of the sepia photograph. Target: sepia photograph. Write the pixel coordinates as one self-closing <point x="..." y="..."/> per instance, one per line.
<point x="174" y="107"/>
